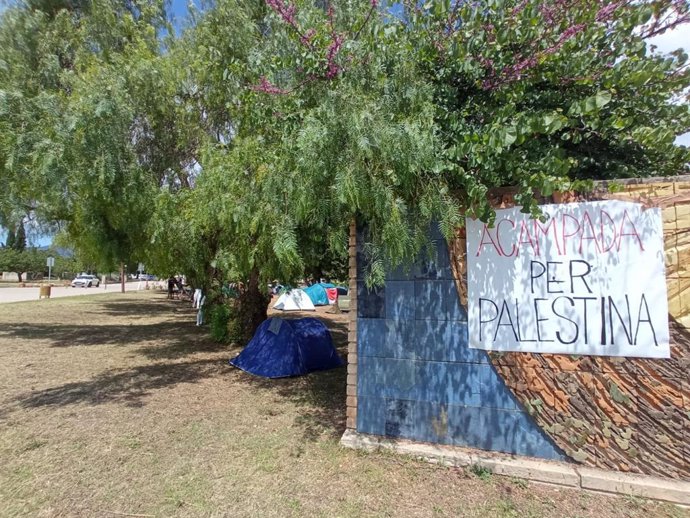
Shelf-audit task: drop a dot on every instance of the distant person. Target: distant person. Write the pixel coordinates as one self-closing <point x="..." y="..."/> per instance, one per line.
<point x="200" y="313"/>
<point x="171" y="286"/>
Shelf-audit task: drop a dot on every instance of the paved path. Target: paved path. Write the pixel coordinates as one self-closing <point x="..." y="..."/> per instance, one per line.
<point x="23" y="294"/>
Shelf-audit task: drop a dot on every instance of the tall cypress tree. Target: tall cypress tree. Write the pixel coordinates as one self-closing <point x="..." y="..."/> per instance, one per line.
<point x="20" y="238"/>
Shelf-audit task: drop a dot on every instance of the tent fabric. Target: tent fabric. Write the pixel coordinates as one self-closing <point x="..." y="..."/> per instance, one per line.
<point x="332" y="294"/>
<point x="318" y="293"/>
<point x="294" y="300"/>
<point x="285" y="347"/>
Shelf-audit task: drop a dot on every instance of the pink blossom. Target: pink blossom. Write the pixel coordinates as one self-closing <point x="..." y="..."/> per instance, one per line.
<point x="606" y="12"/>
<point x="486" y="62"/>
<point x="287" y="12"/>
<point x="518" y="69"/>
<point x="332" y="68"/>
<point x="518" y="8"/>
<point x="265" y="86"/>
<point x="489" y="84"/>
<point x="570" y="32"/>
<point x="307" y="36"/>
<point x="548" y="12"/>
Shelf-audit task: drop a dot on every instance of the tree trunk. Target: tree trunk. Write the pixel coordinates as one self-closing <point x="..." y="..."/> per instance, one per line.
<point x="19" y="276"/>
<point x="252" y="306"/>
<point x="122" y="277"/>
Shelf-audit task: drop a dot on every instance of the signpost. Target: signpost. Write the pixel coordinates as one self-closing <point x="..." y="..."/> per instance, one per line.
<point x="50" y="262"/>
<point x="589" y="280"/>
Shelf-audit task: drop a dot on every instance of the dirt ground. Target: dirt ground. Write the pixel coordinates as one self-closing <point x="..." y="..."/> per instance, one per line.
<point x="119" y="405"/>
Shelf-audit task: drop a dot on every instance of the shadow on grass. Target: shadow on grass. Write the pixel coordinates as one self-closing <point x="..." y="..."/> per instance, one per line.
<point x="129" y="387"/>
<point x="319" y="396"/>
<point x="176" y="337"/>
<point x="154" y="307"/>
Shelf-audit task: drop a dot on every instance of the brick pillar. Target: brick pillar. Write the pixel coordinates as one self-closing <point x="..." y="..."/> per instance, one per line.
<point x="352" y="334"/>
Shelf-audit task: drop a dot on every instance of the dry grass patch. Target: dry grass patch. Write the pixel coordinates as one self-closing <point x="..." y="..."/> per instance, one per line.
<point x="120" y="404"/>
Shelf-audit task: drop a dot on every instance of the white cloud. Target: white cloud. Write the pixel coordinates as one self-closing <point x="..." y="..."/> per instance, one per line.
<point x="684" y="140"/>
<point x="672" y="40"/>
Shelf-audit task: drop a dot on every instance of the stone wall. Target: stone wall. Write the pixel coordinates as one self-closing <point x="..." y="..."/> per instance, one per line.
<point x="416" y="378"/>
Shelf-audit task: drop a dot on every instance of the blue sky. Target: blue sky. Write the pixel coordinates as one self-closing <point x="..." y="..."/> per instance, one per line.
<point x="178" y="11"/>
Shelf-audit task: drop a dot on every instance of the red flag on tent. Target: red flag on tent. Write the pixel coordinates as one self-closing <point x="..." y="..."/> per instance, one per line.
<point x="332" y="294"/>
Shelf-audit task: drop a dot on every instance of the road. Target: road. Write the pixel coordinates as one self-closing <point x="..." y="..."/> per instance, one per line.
<point x="23" y="294"/>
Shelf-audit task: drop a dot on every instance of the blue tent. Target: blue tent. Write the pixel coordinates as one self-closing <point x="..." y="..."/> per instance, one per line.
<point x="317" y="293"/>
<point x="287" y="347"/>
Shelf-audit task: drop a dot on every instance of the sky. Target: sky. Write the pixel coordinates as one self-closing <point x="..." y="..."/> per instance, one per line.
<point x="668" y="42"/>
<point x="178" y="11"/>
<point x="665" y="43"/>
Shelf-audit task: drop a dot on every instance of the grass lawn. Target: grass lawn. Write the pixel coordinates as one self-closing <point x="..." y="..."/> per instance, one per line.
<point x="118" y="405"/>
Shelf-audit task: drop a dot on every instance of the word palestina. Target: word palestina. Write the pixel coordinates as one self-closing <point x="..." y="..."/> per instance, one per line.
<point x="572" y="308"/>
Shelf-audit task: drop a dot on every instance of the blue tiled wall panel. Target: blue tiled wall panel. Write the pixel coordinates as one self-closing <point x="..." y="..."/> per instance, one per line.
<point x="436" y="382"/>
<point x="451" y="383"/>
<point x="432" y="340"/>
<point x="508" y="431"/>
<point x="400" y="300"/>
<point x="433" y="262"/>
<point x="403" y="273"/>
<point x="418" y="379"/>
<point x="514" y="432"/>
<point x="430" y="298"/>
<point x="371" y="303"/>
<point x="437" y="300"/>
<point x="440" y="340"/>
<point x="371" y="417"/>
<point x="386" y="338"/>
<point x="494" y="393"/>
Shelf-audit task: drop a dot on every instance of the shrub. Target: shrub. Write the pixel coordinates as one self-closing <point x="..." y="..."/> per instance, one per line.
<point x="219" y="316"/>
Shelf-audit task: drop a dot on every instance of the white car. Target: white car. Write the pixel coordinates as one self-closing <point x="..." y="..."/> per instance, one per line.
<point x="85" y="281"/>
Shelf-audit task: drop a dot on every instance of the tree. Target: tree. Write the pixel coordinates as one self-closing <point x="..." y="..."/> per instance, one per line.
<point x="399" y="122"/>
<point x="16" y="237"/>
<point x="403" y="122"/>
<point x="20" y="238"/>
<point x="71" y="125"/>
<point x="20" y="262"/>
<point x="574" y="96"/>
<point x="244" y="149"/>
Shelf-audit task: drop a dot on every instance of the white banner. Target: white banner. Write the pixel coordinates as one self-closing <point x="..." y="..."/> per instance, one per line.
<point x="590" y="280"/>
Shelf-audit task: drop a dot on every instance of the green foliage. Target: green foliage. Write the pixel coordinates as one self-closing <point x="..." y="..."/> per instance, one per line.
<point x="236" y="330"/>
<point x="70" y="120"/>
<point x="219" y="317"/>
<point x="520" y="104"/>
<point x="245" y="148"/>
<point x="480" y="472"/>
<point x="22" y="261"/>
<point x="425" y="115"/>
<point x="20" y="239"/>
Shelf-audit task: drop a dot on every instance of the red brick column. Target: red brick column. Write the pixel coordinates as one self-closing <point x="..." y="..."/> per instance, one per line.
<point x="352" y="334"/>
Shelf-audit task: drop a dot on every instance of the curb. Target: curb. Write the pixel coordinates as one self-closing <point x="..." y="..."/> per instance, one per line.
<point x="541" y="471"/>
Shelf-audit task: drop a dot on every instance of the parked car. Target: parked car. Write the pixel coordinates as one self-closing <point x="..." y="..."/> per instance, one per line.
<point x="85" y="281"/>
<point x="147" y="277"/>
